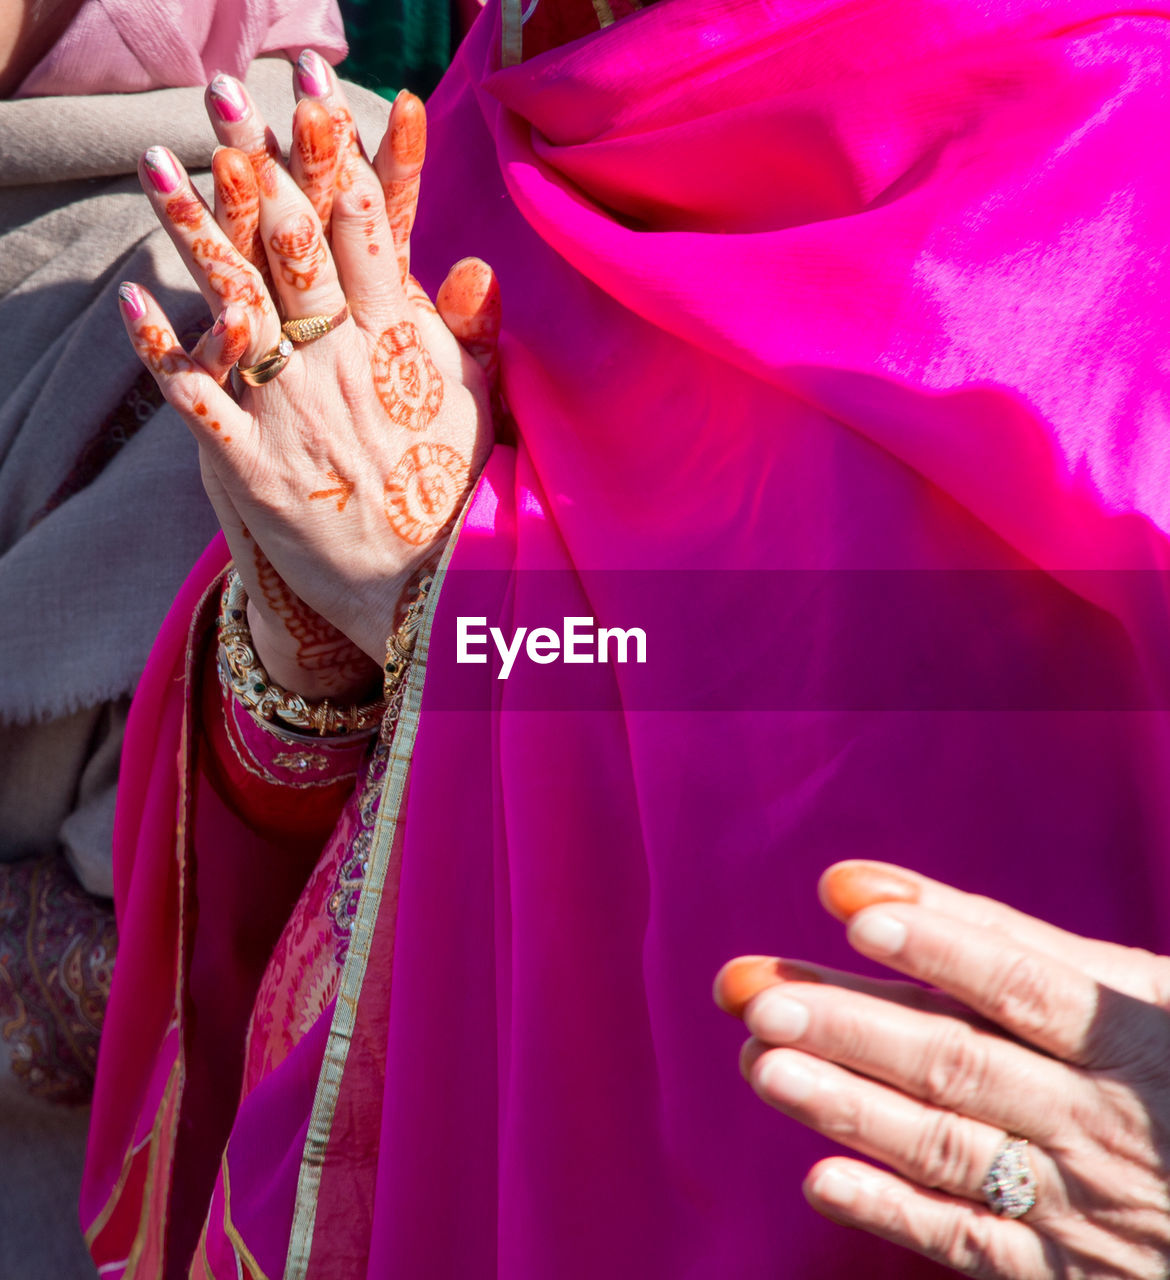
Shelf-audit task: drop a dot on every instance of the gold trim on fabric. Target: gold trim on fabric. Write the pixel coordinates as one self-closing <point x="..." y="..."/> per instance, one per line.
<point x="232" y="1231"/>
<point x="144" y="1223"/>
<point x="512" y="29"/>
<point x="300" y="1245"/>
<point x="604" y="13"/>
<point x="172" y="1093"/>
<point x="95" y="1228"/>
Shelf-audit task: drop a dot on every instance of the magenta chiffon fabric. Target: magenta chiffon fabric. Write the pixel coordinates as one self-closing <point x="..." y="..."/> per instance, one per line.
<point x="865" y="288"/>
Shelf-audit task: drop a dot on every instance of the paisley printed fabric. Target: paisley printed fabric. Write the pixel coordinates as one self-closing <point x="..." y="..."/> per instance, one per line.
<point x="303" y="975"/>
<point x="57" y="947"/>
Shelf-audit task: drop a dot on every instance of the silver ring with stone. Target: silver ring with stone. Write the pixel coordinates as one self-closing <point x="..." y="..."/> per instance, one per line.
<point x="1010" y="1185"/>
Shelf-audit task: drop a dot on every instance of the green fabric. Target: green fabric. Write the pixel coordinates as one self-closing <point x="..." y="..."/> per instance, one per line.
<point x="397" y="44"/>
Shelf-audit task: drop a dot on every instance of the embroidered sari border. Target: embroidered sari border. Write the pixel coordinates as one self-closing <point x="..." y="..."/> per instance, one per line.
<point x="353" y="973"/>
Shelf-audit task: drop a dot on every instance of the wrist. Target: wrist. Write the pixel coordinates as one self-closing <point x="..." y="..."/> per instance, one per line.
<point x="340" y="672"/>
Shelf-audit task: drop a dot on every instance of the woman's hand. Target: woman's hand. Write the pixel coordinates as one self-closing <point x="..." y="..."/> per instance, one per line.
<point x="338" y="479"/>
<point x="1068" y="1046"/>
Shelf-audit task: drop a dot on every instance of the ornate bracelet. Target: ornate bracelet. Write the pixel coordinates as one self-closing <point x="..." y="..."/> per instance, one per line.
<point x="242" y="673"/>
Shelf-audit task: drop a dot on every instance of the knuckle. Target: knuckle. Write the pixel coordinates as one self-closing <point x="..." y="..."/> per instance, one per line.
<point x="967" y="1242"/>
<point x="942" y="1157"/>
<point x="1020" y="994"/>
<point x="845" y="1116"/>
<point x="954" y="1067"/>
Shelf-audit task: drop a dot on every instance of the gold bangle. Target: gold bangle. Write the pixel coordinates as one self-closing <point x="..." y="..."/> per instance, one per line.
<point x="242" y="674"/>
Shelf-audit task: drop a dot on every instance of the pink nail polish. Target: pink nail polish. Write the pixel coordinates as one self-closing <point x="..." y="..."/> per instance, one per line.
<point x="312" y="78"/>
<point x="220" y="324"/>
<point x="132" y="301"/>
<point x="163" y="170"/>
<point x="227" y="97"/>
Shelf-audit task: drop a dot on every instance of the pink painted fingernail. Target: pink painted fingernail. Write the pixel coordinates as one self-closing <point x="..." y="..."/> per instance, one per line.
<point x="220" y="323"/>
<point x="312" y="78"/>
<point x="132" y="302"/>
<point x="163" y="170"/>
<point x="227" y="97"/>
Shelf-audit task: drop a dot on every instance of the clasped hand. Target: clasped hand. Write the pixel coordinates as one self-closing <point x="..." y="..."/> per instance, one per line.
<point x="1024" y="1030"/>
<point x="336" y="481"/>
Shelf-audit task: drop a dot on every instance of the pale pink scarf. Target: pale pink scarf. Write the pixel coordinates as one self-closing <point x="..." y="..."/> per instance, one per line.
<point x="125" y="46"/>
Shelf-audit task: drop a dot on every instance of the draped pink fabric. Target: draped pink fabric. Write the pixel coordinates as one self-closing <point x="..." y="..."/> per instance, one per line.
<point x="123" y="46"/>
<point x="843" y="320"/>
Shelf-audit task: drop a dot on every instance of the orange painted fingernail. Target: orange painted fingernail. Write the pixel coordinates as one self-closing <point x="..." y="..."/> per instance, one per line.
<point x="745" y="977"/>
<point x="849" y="886"/>
<point x="132" y="302"/>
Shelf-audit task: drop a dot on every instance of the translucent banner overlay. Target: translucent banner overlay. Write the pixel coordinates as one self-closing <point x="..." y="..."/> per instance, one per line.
<point x="802" y="640"/>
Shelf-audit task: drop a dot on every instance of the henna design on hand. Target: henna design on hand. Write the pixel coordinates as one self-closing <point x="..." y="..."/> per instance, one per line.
<point x="231" y="281"/>
<point x="237" y="196"/>
<point x="186" y="210"/>
<point x="322" y="650"/>
<point x="418" y="295"/>
<point x="408" y="143"/>
<point x="263" y="159"/>
<point x="369" y="227"/>
<point x="161" y="350"/>
<point x="316" y="152"/>
<point x="349" y="148"/>
<point x="345" y="490"/>
<point x="469" y="302"/>
<point x="425" y="491"/>
<point x="301" y="251"/>
<point x="405" y="378"/>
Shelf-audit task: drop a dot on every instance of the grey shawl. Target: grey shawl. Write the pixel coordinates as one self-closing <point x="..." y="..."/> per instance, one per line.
<point x="102" y="512"/>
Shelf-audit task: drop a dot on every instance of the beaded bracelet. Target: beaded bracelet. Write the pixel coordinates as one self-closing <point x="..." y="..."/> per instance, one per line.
<point x="243" y="674"/>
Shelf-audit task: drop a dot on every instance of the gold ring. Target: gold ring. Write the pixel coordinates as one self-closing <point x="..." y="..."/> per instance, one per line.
<point x="310" y="328"/>
<point x="256" y="375"/>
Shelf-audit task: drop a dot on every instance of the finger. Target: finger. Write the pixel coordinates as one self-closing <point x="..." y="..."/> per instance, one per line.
<point x="1046" y="1003"/>
<point x="222" y="275"/>
<point x="360" y="236"/>
<point x="398" y="164"/>
<point x="742" y="979"/>
<point x="848" y="886"/>
<point x="223" y="344"/>
<point x="237" y="205"/>
<point x="303" y="273"/>
<point x="240" y="126"/>
<point x="212" y="415"/>
<point x="238" y="123"/>
<point x="934" y="1147"/>
<point x="469" y="303"/>
<point x="944" y="1060"/>
<point x="313" y="158"/>
<point x="955" y="1233"/>
<point x="314" y="78"/>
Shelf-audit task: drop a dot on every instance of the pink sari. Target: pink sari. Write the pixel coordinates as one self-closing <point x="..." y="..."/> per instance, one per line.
<point x="847" y="322"/>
